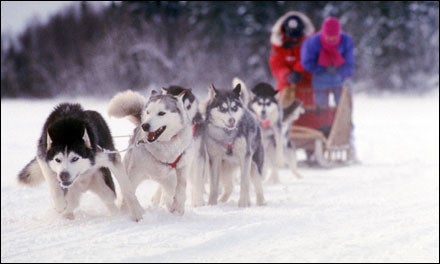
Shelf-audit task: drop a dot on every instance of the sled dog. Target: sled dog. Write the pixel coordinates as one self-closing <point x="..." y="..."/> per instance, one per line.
<point x="233" y="141"/>
<point x="163" y="142"/>
<point x="199" y="167"/>
<point x="275" y="123"/>
<point x="75" y="155"/>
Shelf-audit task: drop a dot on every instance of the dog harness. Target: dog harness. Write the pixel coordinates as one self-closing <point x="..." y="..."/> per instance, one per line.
<point x="229" y="149"/>
<point x="174" y="163"/>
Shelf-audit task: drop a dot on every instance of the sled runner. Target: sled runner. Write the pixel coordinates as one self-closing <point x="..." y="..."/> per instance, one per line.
<point x="324" y="133"/>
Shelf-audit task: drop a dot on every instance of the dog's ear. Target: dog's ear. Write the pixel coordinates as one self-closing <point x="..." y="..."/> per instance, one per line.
<point x="181" y="105"/>
<point x="153" y="92"/>
<point x="48" y="142"/>
<point x="212" y="92"/>
<point x="237" y="89"/>
<point x="181" y="94"/>
<point x="214" y="89"/>
<point x="86" y="139"/>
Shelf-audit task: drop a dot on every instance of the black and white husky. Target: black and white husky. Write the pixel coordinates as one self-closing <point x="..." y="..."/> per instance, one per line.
<point x="163" y="140"/>
<point x="275" y="123"/>
<point x="74" y="156"/>
<point x="233" y="141"/>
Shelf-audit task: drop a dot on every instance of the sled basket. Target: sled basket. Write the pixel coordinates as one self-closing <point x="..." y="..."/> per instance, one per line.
<point x="325" y="133"/>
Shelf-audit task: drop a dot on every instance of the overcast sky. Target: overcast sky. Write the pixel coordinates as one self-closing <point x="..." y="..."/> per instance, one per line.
<point x="17" y="14"/>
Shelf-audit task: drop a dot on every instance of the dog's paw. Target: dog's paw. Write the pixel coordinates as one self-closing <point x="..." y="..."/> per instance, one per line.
<point x="69" y="215"/>
<point x="212" y="202"/>
<point x="197" y="203"/>
<point x="224" y="198"/>
<point x="60" y="205"/>
<point x="177" y="208"/>
<point x="261" y="201"/>
<point x="136" y="212"/>
<point x="137" y="216"/>
<point x="244" y="202"/>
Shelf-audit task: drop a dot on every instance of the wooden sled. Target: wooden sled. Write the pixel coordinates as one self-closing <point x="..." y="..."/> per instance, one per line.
<point x="325" y="134"/>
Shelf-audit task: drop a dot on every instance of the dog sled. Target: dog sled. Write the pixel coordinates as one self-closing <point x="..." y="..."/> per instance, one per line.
<point x="324" y="133"/>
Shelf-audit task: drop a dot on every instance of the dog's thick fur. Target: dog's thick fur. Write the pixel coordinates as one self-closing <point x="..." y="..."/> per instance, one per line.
<point x="200" y="165"/>
<point x="163" y="140"/>
<point x="275" y="123"/>
<point x="71" y="159"/>
<point x="233" y="141"/>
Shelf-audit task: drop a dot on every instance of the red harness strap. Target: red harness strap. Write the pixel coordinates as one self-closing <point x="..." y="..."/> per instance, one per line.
<point x="174" y="164"/>
<point x="229" y="149"/>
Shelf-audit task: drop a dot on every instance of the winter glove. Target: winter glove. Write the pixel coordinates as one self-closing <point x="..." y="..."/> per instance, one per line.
<point x="294" y="77"/>
<point x="332" y="69"/>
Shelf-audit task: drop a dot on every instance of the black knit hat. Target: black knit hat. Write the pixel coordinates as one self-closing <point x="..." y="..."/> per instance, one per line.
<point x="293" y="26"/>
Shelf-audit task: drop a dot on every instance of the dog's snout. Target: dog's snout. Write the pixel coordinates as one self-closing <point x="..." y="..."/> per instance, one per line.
<point x="263" y="114"/>
<point x="64" y="176"/>
<point x="231" y="121"/>
<point x="145" y="127"/>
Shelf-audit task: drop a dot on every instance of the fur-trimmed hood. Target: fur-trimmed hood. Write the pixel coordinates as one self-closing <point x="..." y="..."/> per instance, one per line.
<point x="276" y="34"/>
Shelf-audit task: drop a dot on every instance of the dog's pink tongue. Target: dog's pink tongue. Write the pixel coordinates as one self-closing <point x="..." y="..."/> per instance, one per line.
<point x="151" y="135"/>
<point x="265" y="123"/>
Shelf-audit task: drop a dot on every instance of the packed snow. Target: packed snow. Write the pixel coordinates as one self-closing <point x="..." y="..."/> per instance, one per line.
<point x="384" y="209"/>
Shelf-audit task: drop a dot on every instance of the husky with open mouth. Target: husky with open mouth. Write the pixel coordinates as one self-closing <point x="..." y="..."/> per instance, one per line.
<point x="162" y="142"/>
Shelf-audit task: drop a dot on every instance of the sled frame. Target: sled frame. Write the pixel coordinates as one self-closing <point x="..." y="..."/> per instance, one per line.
<point x="334" y="150"/>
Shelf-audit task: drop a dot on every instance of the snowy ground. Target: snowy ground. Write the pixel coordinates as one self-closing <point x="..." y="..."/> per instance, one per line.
<point x="385" y="209"/>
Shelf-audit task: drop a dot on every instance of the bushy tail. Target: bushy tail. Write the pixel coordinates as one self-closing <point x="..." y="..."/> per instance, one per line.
<point x="291" y="113"/>
<point x="31" y="174"/>
<point x="127" y="104"/>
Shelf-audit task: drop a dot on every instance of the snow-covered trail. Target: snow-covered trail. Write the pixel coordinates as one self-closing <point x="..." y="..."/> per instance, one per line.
<point x="385" y="209"/>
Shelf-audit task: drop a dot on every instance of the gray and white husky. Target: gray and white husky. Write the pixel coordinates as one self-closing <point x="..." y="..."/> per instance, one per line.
<point x="233" y="141"/>
<point x="71" y="157"/>
<point x="163" y="140"/>
<point x="275" y="123"/>
<point x="199" y="166"/>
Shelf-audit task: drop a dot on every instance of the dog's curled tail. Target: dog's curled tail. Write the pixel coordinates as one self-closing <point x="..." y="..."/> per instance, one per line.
<point x="31" y="174"/>
<point x="127" y="104"/>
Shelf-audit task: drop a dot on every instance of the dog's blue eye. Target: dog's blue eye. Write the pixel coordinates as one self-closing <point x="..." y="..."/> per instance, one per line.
<point x="74" y="159"/>
<point x="234" y="109"/>
<point x="161" y="113"/>
<point x="57" y="160"/>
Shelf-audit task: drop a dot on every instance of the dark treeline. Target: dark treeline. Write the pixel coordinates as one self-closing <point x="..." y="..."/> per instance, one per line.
<point x="139" y="44"/>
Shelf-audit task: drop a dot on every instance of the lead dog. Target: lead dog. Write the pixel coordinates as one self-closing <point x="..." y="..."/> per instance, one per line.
<point x="72" y="160"/>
